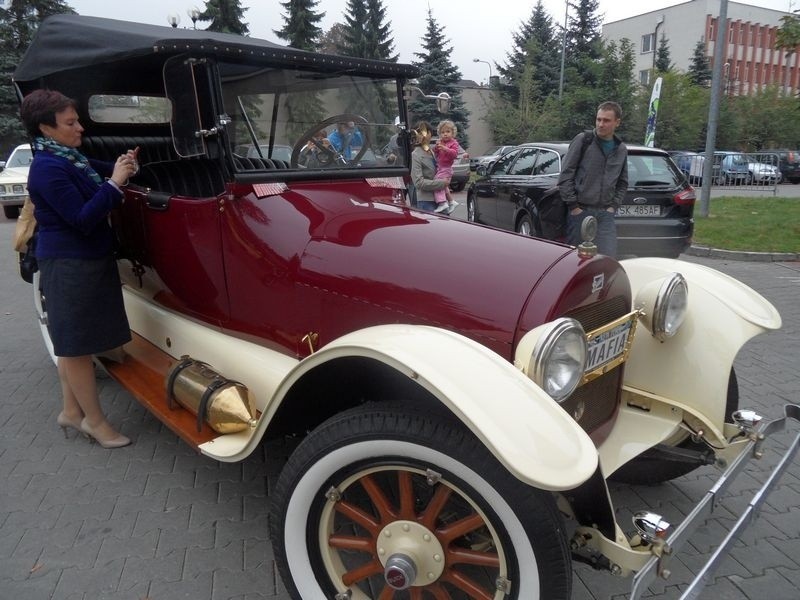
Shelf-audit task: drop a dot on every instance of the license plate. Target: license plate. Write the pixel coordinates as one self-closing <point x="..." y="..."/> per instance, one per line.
<point x="607" y="346"/>
<point x="634" y="210"/>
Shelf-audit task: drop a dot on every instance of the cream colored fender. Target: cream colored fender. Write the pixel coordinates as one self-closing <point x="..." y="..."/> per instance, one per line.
<point x="522" y="426"/>
<point x="691" y="369"/>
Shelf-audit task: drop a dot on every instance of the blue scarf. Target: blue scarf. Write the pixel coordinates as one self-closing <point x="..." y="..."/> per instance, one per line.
<point x="47" y="144"/>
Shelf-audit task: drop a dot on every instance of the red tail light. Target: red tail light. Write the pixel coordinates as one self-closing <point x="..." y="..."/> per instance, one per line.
<point x="685" y="197"/>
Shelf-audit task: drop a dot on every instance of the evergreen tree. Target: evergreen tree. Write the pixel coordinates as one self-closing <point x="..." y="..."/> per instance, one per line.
<point x="536" y="52"/>
<point x="438" y="74"/>
<point x="354" y="38"/>
<point x="584" y="42"/>
<point x="699" y="67"/>
<point x="300" y="24"/>
<point x="19" y="20"/>
<point x="380" y="44"/>
<point x="663" y="62"/>
<point x="225" y="16"/>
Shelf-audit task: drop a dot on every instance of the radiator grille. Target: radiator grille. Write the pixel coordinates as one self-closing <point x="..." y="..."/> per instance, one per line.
<point x="594" y="403"/>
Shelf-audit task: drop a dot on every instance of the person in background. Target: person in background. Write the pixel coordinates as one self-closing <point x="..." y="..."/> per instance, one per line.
<point x="423" y="169"/>
<point x="594" y="179"/>
<point x="345" y="137"/>
<point x="313" y="154"/>
<point x="73" y="197"/>
<point x="446" y="151"/>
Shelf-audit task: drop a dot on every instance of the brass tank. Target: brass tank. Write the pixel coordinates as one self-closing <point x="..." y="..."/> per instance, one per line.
<point x="226" y="405"/>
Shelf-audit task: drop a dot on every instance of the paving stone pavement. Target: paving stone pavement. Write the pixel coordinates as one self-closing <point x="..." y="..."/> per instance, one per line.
<point x="156" y="521"/>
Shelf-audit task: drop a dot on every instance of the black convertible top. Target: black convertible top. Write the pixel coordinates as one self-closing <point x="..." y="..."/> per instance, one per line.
<point x="65" y="42"/>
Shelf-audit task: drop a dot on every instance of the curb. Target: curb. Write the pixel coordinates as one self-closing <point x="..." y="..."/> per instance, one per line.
<point x="743" y="255"/>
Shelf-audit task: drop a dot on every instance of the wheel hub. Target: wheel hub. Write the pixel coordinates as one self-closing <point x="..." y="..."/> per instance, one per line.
<point x="410" y="554"/>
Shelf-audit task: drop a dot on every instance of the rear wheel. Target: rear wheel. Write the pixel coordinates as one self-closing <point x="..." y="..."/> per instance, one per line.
<point x="646" y="470"/>
<point x="525" y="225"/>
<point x="382" y="499"/>
<point x="472" y="208"/>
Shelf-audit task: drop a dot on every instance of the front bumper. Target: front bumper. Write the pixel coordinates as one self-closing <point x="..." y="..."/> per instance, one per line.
<point x="657" y="557"/>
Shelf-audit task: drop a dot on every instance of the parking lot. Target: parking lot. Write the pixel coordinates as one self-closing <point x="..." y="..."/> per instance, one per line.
<point x="157" y="521"/>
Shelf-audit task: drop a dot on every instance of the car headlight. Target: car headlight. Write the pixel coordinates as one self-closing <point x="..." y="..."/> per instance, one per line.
<point x="19" y="188"/>
<point x="664" y="303"/>
<point x="556" y="356"/>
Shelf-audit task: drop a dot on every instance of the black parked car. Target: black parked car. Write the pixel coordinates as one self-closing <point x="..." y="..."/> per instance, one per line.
<point x="654" y="220"/>
<point x="789" y="164"/>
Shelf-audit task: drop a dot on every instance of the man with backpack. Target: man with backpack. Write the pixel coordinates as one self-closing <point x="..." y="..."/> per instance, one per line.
<point x="594" y="179"/>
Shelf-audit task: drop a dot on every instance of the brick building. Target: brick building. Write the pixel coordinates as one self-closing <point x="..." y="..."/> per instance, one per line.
<point x="751" y="59"/>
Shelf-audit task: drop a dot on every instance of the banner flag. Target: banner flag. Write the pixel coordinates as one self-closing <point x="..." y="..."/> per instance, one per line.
<point x="652" y="114"/>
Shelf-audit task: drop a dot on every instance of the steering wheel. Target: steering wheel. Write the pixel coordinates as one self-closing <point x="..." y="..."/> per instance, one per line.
<point x="328" y="155"/>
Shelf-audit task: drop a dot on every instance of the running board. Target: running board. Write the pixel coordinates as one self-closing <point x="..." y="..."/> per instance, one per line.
<point x="143" y="372"/>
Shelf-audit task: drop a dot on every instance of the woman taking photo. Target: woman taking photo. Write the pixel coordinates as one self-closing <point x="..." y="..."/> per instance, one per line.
<point x="73" y="198"/>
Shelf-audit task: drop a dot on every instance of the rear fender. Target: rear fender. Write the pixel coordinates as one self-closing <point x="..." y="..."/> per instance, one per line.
<point x="691" y="369"/>
<point x="521" y="425"/>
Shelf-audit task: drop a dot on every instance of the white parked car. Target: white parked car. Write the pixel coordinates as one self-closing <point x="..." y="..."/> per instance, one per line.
<point x="763" y="173"/>
<point x="14" y="180"/>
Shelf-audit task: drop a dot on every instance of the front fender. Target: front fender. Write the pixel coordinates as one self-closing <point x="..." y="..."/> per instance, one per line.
<point x="521" y="425"/>
<point x="692" y="368"/>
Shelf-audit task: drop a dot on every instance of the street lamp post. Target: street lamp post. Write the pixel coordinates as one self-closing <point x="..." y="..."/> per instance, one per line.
<point x="563" y="51"/>
<point x="487" y="63"/>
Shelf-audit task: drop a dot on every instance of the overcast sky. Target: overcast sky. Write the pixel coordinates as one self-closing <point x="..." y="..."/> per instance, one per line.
<point x="476" y="28"/>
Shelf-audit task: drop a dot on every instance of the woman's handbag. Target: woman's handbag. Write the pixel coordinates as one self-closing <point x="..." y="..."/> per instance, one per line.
<point x="26" y="224"/>
<point x="25" y="241"/>
<point x="27" y="260"/>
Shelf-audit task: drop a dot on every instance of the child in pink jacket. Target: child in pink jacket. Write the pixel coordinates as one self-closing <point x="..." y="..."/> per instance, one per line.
<point x="446" y="151"/>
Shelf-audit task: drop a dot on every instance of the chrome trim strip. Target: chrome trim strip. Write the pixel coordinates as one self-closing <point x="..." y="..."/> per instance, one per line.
<point x="657" y="566"/>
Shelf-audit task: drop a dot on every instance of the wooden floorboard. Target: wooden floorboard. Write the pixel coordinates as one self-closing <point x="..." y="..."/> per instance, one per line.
<point x="143" y="372"/>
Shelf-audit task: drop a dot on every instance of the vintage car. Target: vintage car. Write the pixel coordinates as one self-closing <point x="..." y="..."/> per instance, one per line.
<point x="463" y="394"/>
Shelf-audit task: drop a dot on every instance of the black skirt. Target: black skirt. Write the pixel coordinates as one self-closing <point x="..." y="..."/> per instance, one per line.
<point x="85" y="311"/>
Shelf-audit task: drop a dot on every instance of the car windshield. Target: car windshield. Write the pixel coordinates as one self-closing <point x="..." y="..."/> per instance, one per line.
<point x="652" y="170"/>
<point x="277" y="111"/>
<point x="22" y="157"/>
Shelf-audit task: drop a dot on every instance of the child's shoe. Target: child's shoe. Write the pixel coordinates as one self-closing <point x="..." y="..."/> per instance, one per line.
<point x="442" y="208"/>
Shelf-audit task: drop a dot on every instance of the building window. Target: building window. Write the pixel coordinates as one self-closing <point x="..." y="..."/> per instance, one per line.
<point x="644" y="77"/>
<point x="648" y="42"/>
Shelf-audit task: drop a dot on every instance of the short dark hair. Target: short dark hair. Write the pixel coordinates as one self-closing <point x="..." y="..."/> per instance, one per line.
<point x="608" y="105"/>
<point x="40" y="108"/>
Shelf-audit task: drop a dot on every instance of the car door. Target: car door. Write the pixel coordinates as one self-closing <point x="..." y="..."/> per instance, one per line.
<point x="488" y="188"/>
<point x="512" y="192"/>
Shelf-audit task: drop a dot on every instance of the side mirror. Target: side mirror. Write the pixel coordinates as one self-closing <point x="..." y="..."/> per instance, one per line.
<point x="443" y="102"/>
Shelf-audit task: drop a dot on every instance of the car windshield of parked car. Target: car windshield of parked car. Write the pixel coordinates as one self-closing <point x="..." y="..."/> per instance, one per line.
<point x="524" y="163"/>
<point x="22" y="157"/>
<point x="652" y="170"/>
<point x="280" y="110"/>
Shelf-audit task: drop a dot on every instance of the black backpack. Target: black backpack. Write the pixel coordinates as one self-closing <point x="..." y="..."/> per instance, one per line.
<point x="551" y="207"/>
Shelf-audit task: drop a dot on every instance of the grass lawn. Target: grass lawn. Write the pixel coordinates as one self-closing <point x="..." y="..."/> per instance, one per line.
<point x="755" y="224"/>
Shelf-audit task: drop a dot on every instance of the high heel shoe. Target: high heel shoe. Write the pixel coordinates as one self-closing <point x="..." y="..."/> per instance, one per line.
<point x="116" y="442"/>
<point x="65" y="423"/>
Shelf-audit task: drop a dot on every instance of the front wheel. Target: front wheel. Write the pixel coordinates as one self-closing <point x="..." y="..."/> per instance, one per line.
<point x="11" y="212"/>
<point x="525" y="225"/>
<point x="382" y="499"/>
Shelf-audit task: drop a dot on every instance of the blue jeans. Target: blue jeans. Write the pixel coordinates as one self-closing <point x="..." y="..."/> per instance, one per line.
<point x="606" y="239"/>
<point x="427" y="205"/>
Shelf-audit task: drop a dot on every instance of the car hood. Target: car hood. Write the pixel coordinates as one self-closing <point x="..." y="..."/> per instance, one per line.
<point x="401" y="265"/>
<point x="15" y="174"/>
